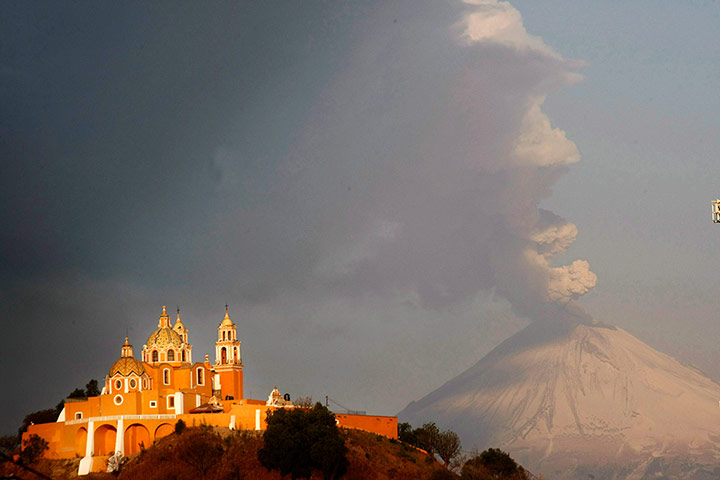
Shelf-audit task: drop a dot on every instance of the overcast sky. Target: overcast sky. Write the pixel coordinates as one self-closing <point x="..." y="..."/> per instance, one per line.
<point x="380" y="193"/>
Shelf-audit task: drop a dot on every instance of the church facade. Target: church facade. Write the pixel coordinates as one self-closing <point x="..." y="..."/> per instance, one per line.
<point x="142" y="399"/>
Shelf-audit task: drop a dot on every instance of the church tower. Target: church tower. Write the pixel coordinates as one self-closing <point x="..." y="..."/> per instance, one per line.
<point x="228" y="361"/>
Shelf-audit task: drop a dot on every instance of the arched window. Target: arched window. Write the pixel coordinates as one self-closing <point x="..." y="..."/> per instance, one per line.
<point x="236" y="359"/>
<point x="155" y="356"/>
<point x="200" y="380"/>
<point x="183" y="355"/>
<point x="166" y="376"/>
<point x="223" y="336"/>
<point x="171" y="356"/>
<point x="223" y="355"/>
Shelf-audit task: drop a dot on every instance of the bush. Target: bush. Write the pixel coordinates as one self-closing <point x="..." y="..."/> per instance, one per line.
<point x="492" y="464"/>
<point x="41" y="416"/>
<point x="297" y="441"/>
<point x="33" y="448"/>
<point x="200" y="448"/>
<point x="443" y="475"/>
<point x="180" y="427"/>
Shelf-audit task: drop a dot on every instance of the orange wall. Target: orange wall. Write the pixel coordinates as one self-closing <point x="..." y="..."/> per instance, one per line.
<point x="381" y="425"/>
<point x="66" y="441"/>
<point x="231" y="383"/>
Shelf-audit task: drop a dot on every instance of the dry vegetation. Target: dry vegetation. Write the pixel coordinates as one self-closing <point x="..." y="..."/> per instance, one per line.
<point x="219" y="454"/>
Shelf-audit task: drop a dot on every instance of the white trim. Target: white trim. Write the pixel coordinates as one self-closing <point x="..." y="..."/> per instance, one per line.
<point x="115" y="399"/>
<point x="112" y="418"/>
<point x="153" y="403"/>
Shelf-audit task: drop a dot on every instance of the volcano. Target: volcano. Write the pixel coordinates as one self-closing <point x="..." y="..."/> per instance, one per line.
<point x="572" y="400"/>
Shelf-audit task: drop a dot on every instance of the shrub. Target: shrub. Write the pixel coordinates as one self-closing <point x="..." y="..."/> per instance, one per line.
<point x="33" y="448"/>
<point x="180" y="427"/>
<point x="298" y="441"/>
<point x="492" y="464"/>
<point x="199" y="448"/>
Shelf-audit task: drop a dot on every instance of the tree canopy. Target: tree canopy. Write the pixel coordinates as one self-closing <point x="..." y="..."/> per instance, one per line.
<point x="298" y="441"/>
<point x="493" y="464"/>
<point x="444" y="444"/>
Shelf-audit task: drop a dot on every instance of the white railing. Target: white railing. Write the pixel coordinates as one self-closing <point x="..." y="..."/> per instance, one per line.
<point x="118" y="417"/>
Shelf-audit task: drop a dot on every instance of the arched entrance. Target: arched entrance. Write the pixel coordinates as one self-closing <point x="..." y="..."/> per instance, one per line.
<point x="164" y="430"/>
<point x="105" y="439"/>
<point x="80" y="441"/>
<point x="136" y="435"/>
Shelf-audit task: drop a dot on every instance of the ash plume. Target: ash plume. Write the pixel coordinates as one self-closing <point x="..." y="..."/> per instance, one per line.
<point x="423" y="174"/>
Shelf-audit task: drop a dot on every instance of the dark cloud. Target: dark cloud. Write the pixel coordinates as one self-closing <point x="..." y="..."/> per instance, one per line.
<point x="358" y="180"/>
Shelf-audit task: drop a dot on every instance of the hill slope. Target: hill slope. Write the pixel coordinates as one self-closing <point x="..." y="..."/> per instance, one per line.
<point x="190" y="456"/>
<point x="572" y="400"/>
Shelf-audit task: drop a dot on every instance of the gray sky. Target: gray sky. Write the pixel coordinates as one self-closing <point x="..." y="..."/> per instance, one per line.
<point x="359" y="182"/>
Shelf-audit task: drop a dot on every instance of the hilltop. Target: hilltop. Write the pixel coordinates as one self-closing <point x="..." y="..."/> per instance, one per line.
<point x="370" y="456"/>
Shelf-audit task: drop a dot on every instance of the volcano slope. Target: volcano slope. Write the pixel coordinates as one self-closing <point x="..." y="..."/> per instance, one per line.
<point x="571" y="400"/>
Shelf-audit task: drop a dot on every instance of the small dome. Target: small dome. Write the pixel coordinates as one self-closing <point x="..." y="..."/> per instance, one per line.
<point x="164" y="337"/>
<point x="227" y="322"/>
<point x="127" y="365"/>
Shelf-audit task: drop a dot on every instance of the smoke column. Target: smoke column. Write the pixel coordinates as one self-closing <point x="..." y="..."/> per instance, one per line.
<point x="421" y="167"/>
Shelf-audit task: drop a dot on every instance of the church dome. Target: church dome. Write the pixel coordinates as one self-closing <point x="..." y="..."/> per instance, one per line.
<point x="164" y="337"/>
<point x="227" y="322"/>
<point x="127" y="365"/>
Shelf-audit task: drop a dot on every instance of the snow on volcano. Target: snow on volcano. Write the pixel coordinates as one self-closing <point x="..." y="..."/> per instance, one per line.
<point x="573" y="400"/>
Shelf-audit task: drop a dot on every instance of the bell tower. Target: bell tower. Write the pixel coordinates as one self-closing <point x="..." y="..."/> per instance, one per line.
<point x="228" y="361"/>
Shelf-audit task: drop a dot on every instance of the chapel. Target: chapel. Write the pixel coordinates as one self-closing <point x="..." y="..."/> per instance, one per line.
<point x="142" y="399"/>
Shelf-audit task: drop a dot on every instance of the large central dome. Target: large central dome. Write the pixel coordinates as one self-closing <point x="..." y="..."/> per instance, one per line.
<point x="164" y="337"/>
<point x="167" y="343"/>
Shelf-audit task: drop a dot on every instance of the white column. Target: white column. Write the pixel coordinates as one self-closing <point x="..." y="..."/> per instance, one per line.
<point x="257" y="419"/>
<point x="120" y="437"/>
<point x="90" y="444"/>
<point x="179" y="406"/>
<point x="232" y="422"/>
<point x="86" y="461"/>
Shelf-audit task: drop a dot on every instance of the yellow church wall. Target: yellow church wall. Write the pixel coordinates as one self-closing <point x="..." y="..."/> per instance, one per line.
<point x="231" y="383"/>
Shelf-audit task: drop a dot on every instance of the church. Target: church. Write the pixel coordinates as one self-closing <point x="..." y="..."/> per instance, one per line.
<point x="142" y="399"/>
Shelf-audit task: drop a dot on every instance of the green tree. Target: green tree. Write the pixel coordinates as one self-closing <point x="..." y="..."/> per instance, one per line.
<point x="200" y="448"/>
<point x="406" y="433"/>
<point x="447" y="446"/>
<point x="91" y="389"/>
<point x="427" y="437"/>
<point x="9" y="444"/>
<point x="77" y="393"/>
<point x="180" y="427"/>
<point x="492" y="464"/>
<point x="297" y="441"/>
<point x="41" y="416"/>
<point x="33" y="448"/>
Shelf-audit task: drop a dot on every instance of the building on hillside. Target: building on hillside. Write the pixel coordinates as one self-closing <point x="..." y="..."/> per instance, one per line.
<point x="142" y="399"/>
